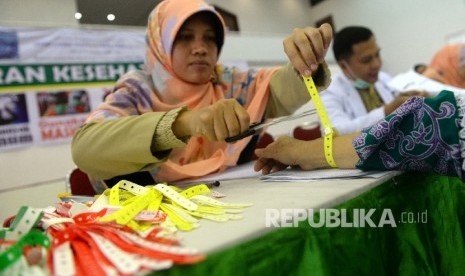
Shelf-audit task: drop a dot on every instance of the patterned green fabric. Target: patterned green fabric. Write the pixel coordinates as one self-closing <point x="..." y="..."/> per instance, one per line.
<point x="421" y="135"/>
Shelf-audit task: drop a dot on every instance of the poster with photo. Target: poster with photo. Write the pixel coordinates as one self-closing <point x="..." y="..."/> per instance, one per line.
<point x="61" y="112"/>
<point x="14" y="122"/>
<point x="64" y="102"/>
<point x="45" y="117"/>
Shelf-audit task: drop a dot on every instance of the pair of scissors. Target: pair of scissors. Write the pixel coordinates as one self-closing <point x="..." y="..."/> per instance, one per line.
<point x="255" y="128"/>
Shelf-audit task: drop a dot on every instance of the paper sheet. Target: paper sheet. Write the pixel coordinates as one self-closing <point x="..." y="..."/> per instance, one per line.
<point x="291" y="174"/>
<point x="413" y="81"/>
<point x="241" y="171"/>
<point x="294" y="174"/>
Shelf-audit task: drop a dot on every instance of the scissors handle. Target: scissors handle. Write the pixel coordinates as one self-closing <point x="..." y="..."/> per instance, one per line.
<point x="253" y="129"/>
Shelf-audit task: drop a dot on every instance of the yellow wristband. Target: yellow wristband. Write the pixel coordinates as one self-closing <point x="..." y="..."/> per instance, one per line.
<point x="327" y="128"/>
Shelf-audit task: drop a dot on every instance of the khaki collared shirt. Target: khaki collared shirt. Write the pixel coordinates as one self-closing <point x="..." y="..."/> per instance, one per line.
<point x="370" y="98"/>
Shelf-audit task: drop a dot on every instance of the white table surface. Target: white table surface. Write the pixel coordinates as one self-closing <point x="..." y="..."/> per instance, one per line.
<point x="214" y="236"/>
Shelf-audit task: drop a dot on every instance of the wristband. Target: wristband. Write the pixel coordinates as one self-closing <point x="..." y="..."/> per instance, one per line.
<point x="327" y="128"/>
<point x="130" y="203"/>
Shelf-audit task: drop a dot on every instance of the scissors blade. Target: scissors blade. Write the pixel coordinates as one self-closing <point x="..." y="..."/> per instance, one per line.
<point x="257" y="127"/>
<point x="289" y="118"/>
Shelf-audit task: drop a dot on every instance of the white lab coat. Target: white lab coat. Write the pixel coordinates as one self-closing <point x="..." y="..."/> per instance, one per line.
<point x="345" y="107"/>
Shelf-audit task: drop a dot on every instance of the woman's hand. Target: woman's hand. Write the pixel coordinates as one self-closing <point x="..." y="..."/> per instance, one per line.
<point x="307" y="47"/>
<point x="308" y="155"/>
<point x="218" y="121"/>
<point x="287" y="151"/>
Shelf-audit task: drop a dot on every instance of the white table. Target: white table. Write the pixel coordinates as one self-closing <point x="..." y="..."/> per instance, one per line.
<point x="214" y="236"/>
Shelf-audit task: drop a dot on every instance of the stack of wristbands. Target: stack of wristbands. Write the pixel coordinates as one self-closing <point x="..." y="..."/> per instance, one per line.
<point x="129" y="229"/>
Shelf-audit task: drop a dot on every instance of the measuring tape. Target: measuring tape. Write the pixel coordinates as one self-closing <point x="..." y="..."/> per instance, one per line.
<point x="327" y="128"/>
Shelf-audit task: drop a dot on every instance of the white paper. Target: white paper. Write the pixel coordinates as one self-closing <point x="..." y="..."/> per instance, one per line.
<point x="294" y="174"/>
<point x="413" y="81"/>
<point x="238" y="172"/>
<point x="290" y="174"/>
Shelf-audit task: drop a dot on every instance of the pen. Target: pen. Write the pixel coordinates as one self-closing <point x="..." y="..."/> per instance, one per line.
<point x="212" y="184"/>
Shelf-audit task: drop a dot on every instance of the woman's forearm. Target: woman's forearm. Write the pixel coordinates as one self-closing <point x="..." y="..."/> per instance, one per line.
<point x="343" y="152"/>
<point x="115" y="147"/>
<point x="308" y="155"/>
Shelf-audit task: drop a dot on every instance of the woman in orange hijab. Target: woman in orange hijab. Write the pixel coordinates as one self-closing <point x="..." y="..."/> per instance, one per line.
<point x="171" y="119"/>
<point x="448" y="65"/>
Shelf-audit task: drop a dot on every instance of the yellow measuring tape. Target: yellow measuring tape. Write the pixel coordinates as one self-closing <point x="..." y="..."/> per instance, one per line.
<point x="327" y="128"/>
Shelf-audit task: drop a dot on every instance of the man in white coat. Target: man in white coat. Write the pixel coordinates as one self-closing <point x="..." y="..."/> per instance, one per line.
<point x="359" y="95"/>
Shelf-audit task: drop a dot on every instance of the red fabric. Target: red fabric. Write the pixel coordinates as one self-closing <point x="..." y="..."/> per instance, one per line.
<point x="307" y="134"/>
<point x="79" y="183"/>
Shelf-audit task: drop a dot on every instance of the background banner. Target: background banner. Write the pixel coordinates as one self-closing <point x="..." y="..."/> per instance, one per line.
<point x="51" y="78"/>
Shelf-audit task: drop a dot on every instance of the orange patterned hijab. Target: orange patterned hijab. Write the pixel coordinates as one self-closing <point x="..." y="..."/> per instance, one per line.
<point x="448" y="65"/>
<point x="164" y="23"/>
<point x="200" y="157"/>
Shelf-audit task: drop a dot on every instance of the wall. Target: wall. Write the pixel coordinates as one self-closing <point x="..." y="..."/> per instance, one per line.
<point x="409" y="31"/>
<point x="255" y="16"/>
<point x="37" y="13"/>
